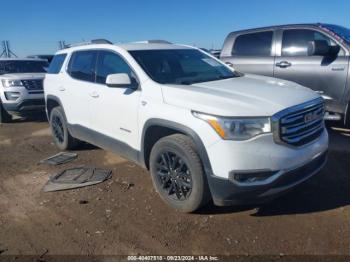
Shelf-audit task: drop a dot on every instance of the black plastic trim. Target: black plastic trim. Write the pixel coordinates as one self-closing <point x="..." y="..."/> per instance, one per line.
<point x="183" y="129"/>
<point x="105" y="142"/>
<point x="54" y="98"/>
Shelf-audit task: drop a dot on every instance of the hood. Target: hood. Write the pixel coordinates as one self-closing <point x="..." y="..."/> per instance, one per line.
<point x="249" y="95"/>
<point x="23" y="76"/>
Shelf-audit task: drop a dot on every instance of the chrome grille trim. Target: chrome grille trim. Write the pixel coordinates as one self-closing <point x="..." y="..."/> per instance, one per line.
<point x="297" y="115"/>
<point x="299" y="137"/>
<point x="297" y="127"/>
<point x="291" y="128"/>
<point x="33" y="84"/>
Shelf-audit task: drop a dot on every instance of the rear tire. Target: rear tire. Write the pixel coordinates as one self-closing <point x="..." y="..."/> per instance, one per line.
<point x="177" y="173"/>
<point x="60" y="132"/>
<point x="4" y="116"/>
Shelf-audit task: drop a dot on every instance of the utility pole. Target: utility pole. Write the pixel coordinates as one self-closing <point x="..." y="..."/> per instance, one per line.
<point x="6" y="51"/>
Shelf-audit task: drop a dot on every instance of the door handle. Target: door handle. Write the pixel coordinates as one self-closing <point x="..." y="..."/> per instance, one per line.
<point x="94" y="94"/>
<point x="283" y="64"/>
<point x="61" y="88"/>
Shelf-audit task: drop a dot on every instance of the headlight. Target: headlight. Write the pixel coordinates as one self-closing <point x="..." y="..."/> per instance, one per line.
<point x="240" y="128"/>
<point x="9" y="83"/>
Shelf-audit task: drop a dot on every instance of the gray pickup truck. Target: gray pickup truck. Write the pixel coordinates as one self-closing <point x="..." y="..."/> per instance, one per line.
<point x="313" y="55"/>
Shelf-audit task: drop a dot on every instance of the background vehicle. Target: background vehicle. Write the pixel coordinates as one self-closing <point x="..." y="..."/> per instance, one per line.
<point x="215" y="52"/>
<point x="313" y="55"/>
<point x="21" y="87"/>
<point x="203" y="130"/>
<point x="45" y="57"/>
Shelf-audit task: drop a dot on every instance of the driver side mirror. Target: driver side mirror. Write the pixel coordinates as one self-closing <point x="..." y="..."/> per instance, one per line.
<point x="321" y="48"/>
<point x="118" y="80"/>
<point x="229" y="64"/>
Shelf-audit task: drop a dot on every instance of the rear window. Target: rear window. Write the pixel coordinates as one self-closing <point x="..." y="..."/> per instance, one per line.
<point x="254" y="44"/>
<point x="56" y="64"/>
<point x="82" y="65"/>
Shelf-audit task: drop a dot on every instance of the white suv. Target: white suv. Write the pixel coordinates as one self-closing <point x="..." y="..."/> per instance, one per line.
<point x="21" y="87"/>
<point x="204" y="130"/>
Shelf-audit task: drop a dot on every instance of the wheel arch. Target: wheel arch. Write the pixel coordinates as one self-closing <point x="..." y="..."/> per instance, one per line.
<point x="169" y="127"/>
<point x="52" y="102"/>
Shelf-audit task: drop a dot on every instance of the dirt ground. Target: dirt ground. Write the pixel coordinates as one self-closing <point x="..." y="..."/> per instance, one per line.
<point x="117" y="219"/>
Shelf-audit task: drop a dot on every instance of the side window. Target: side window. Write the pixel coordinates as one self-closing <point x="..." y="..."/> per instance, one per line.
<point x="110" y="63"/>
<point x="56" y="64"/>
<point x="254" y="44"/>
<point x="295" y="41"/>
<point x="82" y="65"/>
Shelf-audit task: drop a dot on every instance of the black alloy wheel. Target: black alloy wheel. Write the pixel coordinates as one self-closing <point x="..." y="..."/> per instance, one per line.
<point x="174" y="175"/>
<point x="57" y="128"/>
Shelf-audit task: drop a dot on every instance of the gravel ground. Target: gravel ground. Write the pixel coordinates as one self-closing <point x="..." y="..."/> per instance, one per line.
<point x="124" y="215"/>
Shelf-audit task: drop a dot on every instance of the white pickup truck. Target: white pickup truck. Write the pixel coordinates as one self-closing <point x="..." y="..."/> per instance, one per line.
<point x="205" y="131"/>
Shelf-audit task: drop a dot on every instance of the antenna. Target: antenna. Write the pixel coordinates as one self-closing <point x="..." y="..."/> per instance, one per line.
<point x="6" y="51"/>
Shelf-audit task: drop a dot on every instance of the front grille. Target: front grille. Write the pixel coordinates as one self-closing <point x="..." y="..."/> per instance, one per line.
<point x="301" y="124"/>
<point x="33" y="84"/>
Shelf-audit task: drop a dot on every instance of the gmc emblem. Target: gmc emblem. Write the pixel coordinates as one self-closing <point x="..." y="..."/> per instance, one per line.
<point x="310" y="117"/>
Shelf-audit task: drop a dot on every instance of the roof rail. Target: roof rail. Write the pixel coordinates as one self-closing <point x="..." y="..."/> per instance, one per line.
<point x="101" y="41"/>
<point x="93" y="41"/>
<point x="153" y="41"/>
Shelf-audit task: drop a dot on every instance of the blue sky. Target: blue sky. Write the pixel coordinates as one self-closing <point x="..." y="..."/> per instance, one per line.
<point x="37" y="26"/>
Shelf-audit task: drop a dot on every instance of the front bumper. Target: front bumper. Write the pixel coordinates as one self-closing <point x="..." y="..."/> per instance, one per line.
<point x="225" y="192"/>
<point x="28" y="101"/>
<point x="25" y="106"/>
<point x="287" y="166"/>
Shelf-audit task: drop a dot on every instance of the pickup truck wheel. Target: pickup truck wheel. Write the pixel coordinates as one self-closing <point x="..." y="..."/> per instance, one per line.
<point x="177" y="173"/>
<point x="4" y="116"/>
<point x="60" y="132"/>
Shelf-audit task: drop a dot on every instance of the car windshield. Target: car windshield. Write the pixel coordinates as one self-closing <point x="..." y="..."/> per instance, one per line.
<point x="341" y="31"/>
<point x="181" y="66"/>
<point x="22" y="66"/>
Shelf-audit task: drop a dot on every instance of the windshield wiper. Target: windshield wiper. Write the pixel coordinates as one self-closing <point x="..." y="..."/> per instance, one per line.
<point x="227" y="77"/>
<point x="186" y="82"/>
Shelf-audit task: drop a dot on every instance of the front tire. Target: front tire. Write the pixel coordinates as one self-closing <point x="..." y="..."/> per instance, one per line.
<point x="177" y="173"/>
<point x="4" y="116"/>
<point x="60" y="132"/>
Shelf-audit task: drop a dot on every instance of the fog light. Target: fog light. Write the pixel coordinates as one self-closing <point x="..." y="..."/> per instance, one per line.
<point x="250" y="177"/>
<point x="12" y="95"/>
